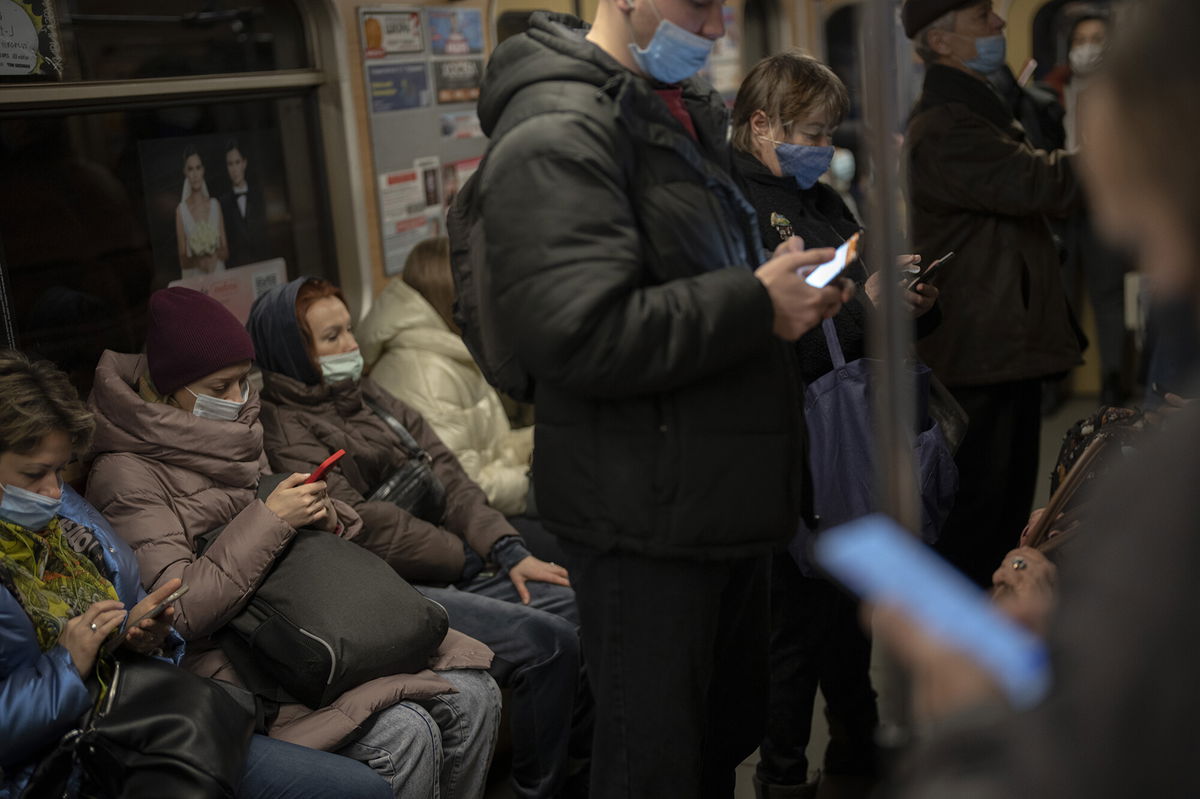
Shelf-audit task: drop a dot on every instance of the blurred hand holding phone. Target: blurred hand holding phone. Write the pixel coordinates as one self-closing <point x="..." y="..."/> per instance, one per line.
<point x="927" y="274"/>
<point x="825" y="274"/>
<point x="884" y="564"/>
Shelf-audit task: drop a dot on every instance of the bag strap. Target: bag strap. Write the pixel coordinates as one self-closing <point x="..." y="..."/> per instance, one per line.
<point x="834" y="344"/>
<point x="1039" y="536"/>
<point x="399" y="429"/>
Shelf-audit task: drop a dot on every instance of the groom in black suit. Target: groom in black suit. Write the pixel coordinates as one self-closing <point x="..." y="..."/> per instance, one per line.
<point x="245" y="212"/>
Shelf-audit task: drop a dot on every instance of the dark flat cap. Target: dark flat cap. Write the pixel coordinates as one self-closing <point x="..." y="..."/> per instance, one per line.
<point x="917" y="14"/>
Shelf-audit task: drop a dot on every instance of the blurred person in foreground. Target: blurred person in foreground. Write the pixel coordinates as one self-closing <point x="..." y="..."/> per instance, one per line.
<point x="1125" y="636"/>
<point x="980" y="188"/>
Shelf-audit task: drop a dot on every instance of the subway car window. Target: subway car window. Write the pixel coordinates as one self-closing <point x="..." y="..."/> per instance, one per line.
<point x="104" y="40"/>
<point x="112" y="205"/>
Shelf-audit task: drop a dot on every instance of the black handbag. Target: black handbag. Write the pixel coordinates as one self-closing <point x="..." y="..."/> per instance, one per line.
<point x="412" y="487"/>
<point x="159" y="731"/>
<point x="328" y="617"/>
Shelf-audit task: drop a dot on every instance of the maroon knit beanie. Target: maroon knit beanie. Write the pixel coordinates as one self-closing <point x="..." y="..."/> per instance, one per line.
<point x="189" y="336"/>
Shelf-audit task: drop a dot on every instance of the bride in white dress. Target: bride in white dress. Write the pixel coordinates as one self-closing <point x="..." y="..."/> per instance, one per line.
<point x="199" y="227"/>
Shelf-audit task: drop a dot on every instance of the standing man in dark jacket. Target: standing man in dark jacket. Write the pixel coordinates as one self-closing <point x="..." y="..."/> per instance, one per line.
<point x="669" y="438"/>
<point x="980" y="189"/>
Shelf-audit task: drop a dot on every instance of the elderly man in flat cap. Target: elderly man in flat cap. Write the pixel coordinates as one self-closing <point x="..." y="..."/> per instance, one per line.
<point x="980" y="189"/>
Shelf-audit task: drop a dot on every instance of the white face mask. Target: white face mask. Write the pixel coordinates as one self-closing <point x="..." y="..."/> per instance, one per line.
<point x="342" y="366"/>
<point x="1086" y="58"/>
<point x="222" y="410"/>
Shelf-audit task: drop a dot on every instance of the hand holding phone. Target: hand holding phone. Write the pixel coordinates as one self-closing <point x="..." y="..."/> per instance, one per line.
<point x="881" y="562"/>
<point x="927" y="274"/>
<point x="824" y="274"/>
<point x="326" y="465"/>
<point x="152" y="613"/>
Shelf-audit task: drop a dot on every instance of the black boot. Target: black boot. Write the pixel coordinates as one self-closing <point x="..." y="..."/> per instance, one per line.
<point x="808" y="790"/>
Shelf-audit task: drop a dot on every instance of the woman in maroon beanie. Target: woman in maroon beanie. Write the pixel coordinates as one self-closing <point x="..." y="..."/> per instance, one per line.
<point x="179" y="452"/>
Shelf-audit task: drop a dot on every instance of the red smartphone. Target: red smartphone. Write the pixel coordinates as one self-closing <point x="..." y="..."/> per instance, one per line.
<point x="326" y="465"/>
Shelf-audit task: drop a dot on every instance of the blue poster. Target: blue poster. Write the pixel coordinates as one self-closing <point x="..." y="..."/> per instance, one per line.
<point x="456" y="31"/>
<point x="395" y="87"/>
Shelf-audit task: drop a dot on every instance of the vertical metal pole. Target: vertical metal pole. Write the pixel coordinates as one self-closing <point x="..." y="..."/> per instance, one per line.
<point x="890" y="335"/>
<point x="891" y="332"/>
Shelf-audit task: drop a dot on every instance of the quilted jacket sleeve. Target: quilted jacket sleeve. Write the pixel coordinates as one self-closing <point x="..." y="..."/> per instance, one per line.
<point x="41" y="693"/>
<point x="222" y="580"/>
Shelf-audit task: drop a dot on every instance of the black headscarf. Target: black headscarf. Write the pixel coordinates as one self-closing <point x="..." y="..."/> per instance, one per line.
<point x="278" y="339"/>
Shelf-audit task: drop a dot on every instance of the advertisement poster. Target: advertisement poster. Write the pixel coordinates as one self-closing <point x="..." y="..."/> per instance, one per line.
<point x="29" y="42"/>
<point x="454" y="175"/>
<point x="401" y="194"/>
<point x="461" y="125"/>
<point x="210" y="199"/>
<point x="238" y="288"/>
<point x="397" y="87"/>
<point x="401" y="235"/>
<point x="431" y="188"/>
<point x="392" y="32"/>
<point x="458" y="81"/>
<point x="456" y="31"/>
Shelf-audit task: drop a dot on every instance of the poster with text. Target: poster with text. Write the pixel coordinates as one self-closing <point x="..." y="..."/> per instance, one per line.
<point x="238" y="288"/>
<point x="392" y="33"/>
<point x="458" y="81"/>
<point x="401" y="235"/>
<point x="456" y="31"/>
<point x="397" y="87"/>
<point x="214" y="202"/>
<point x="29" y="43"/>
<point x="461" y="125"/>
<point x="454" y="175"/>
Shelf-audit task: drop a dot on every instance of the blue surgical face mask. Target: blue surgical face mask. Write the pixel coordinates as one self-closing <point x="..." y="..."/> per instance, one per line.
<point x="989" y="54"/>
<point x="342" y="366"/>
<point x="222" y="410"/>
<point x="673" y="54"/>
<point x="29" y="509"/>
<point x="804" y="162"/>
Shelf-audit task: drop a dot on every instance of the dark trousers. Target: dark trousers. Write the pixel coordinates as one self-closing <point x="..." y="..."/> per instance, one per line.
<point x="537" y="655"/>
<point x="816" y="640"/>
<point x="677" y="658"/>
<point x="997" y="473"/>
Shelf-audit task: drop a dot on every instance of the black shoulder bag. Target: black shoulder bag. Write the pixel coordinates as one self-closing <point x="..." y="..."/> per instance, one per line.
<point x="159" y="731"/>
<point x="412" y="487"/>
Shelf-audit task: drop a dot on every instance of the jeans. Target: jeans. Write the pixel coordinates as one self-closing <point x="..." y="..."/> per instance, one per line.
<point x="537" y="655"/>
<point x="677" y="659"/>
<point x="816" y="640"/>
<point x="439" y="748"/>
<point x="280" y="770"/>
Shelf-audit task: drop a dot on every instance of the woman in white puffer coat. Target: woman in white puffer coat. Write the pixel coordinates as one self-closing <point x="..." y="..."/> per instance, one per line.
<point x="411" y="347"/>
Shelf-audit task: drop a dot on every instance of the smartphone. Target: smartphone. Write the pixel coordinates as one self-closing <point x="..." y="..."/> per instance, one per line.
<point x="927" y="274"/>
<point x="153" y="613"/>
<point x="326" y="465"/>
<point x="883" y="563"/>
<point x="824" y="274"/>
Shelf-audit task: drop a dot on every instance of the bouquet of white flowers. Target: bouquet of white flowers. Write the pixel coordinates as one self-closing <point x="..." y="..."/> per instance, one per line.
<point x="204" y="239"/>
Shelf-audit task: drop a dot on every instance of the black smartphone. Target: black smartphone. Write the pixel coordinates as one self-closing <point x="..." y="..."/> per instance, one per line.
<point x="927" y="274"/>
<point x="153" y="613"/>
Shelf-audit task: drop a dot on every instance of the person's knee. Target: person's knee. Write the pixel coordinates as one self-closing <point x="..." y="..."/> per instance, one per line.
<point x="402" y="743"/>
<point x="477" y="697"/>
